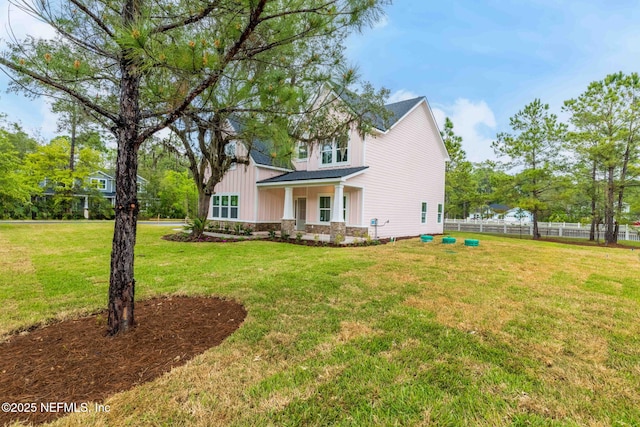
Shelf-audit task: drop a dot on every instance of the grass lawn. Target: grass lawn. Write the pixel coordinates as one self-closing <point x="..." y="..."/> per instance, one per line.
<point x="513" y="332"/>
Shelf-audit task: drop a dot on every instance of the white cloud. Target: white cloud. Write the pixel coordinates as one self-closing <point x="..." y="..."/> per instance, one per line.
<point x="474" y="122"/>
<point x="401" y="95"/>
<point x="381" y="23"/>
<point x="17" y="23"/>
<point x="49" y="124"/>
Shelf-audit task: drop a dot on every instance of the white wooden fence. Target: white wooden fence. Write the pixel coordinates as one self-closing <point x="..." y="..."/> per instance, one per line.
<point x="550" y="229"/>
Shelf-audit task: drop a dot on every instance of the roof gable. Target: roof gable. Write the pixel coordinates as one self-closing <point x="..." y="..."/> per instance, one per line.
<point x="398" y="110"/>
<point x="260" y="151"/>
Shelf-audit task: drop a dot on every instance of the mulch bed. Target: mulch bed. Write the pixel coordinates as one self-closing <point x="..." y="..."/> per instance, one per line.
<point x="74" y="361"/>
<point x="187" y="237"/>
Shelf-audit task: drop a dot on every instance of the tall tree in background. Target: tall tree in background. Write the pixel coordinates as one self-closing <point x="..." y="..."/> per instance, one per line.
<point x="15" y="188"/>
<point x="136" y="66"/>
<point x="459" y="186"/>
<point x="77" y="124"/>
<point x="606" y="119"/>
<point x="535" y="148"/>
<point x="47" y="168"/>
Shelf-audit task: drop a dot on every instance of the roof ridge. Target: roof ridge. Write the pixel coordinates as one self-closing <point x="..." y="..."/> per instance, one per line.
<point x="406" y="100"/>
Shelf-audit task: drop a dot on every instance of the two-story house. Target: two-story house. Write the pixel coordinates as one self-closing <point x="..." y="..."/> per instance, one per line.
<point x="106" y="185"/>
<point x="389" y="184"/>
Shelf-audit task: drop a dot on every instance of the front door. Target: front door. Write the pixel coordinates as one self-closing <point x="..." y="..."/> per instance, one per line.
<point x="301" y="214"/>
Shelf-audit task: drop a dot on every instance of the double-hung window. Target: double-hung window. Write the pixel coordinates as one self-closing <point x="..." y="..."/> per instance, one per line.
<point x="439" y="213"/>
<point x="303" y="151"/>
<point x="335" y="151"/>
<point x="423" y="215"/>
<point x="225" y="206"/>
<point x="325" y="208"/>
<point x="101" y="184"/>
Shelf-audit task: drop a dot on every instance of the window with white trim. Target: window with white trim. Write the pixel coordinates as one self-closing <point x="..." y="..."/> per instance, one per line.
<point x="423" y="217"/>
<point x="225" y="206"/>
<point x="344" y="208"/>
<point x="325" y="208"/>
<point x="336" y="151"/>
<point x="439" y="213"/>
<point x="101" y="184"/>
<point x="303" y="151"/>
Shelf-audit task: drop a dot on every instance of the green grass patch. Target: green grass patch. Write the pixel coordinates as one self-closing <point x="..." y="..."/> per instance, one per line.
<point x="513" y="332"/>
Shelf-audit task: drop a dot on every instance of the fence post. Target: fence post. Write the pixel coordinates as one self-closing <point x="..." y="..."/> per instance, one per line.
<point x="481" y="226"/>
<point x="505" y="228"/>
<point x="560" y="231"/>
<point x="458" y="226"/>
<point x="626" y="232"/>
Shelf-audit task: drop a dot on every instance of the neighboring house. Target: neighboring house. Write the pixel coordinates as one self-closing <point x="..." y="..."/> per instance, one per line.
<point x="102" y="181"/>
<point x="393" y="179"/>
<point x="518" y="216"/>
<point x="106" y="184"/>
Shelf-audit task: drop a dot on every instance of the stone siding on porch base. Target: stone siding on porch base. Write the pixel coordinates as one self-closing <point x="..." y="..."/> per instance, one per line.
<point x="288" y="226"/>
<point x="337" y="232"/>
<point x="261" y="226"/>
<point x="316" y="229"/>
<point x="326" y="229"/>
<point x="358" y="231"/>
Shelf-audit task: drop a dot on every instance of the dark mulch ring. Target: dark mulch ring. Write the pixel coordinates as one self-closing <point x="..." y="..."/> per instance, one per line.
<point x="74" y="362"/>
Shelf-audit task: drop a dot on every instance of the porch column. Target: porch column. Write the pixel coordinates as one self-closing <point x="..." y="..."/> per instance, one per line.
<point x="288" y="203"/>
<point x="86" y="207"/>
<point x="338" y="228"/>
<point x="288" y="223"/>
<point x="338" y="204"/>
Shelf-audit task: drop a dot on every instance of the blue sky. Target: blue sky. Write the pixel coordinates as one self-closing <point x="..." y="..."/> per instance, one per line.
<point x="476" y="61"/>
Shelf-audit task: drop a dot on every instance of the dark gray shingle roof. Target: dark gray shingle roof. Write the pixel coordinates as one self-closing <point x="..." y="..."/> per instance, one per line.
<point x="312" y="175"/>
<point x="397" y="110"/>
<point x="260" y="152"/>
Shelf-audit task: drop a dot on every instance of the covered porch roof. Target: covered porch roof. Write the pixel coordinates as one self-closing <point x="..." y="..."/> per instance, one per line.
<point x="307" y="178"/>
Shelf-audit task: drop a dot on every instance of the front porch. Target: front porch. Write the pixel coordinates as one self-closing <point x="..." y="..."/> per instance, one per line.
<point x="315" y="203"/>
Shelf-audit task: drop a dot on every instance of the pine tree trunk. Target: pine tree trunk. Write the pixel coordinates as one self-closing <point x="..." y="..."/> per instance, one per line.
<point x="594" y="216"/>
<point x="608" y="211"/>
<point x="122" y="282"/>
<point x="536" y="232"/>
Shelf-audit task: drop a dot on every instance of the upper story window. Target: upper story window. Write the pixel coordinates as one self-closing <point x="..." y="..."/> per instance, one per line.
<point x="101" y="184"/>
<point x="303" y="151"/>
<point x="336" y="151"/>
